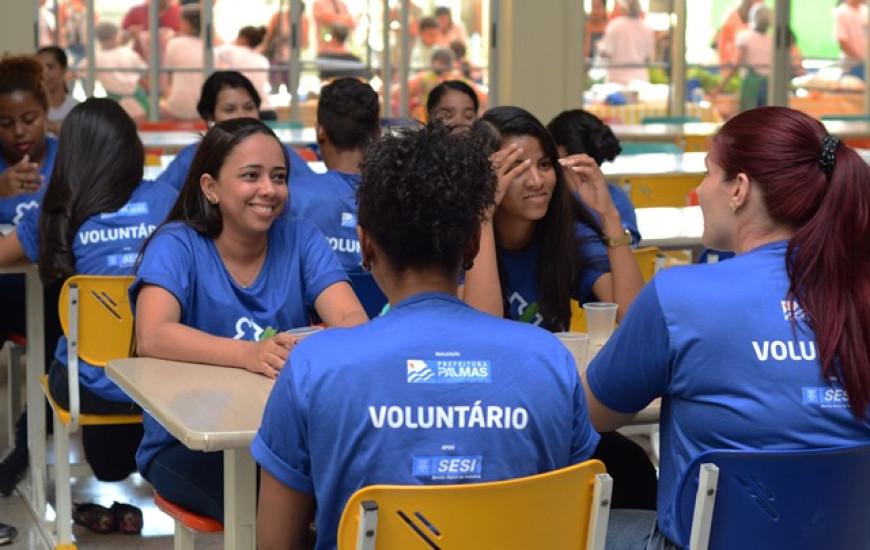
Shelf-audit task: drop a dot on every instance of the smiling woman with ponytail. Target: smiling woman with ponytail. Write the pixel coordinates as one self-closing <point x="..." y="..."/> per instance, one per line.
<point x="769" y="350"/>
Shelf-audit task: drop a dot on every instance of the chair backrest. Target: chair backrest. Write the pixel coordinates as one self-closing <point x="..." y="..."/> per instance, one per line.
<point x="549" y="510"/>
<point x="799" y="499"/>
<point x="174" y="126"/>
<point x="647" y="147"/>
<point x="660" y="190"/>
<point x="646" y="261"/>
<point x="104" y="320"/>
<point x="847" y="118"/>
<point x="369" y="293"/>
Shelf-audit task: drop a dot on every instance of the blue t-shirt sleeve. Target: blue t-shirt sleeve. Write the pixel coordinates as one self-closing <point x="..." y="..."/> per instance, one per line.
<point x="626" y="211"/>
<point x="593" y="256"/>
<point x="633" y="368"/>
<point x="281" y="445"/>
<point x="166" y="263"/>
<point x="298" y="166"/>
<point x="320" y="266"/>
<point x="27" y="231"/>
<point x="175" y="174"/>
<point x="584" y="438"/>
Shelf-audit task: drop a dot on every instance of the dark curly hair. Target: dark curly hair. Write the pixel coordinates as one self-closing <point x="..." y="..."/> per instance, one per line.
<point x="23" y="73"/>
<point x="348" y="111"/>
<point x="423" y="194"/>
<point x="580" y="131"/>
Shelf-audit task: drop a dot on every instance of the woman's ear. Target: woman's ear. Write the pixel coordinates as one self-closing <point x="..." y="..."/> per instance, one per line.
<point x="365" y="246"/>
<point x="740" y="190"/>
<point x="207" y="184"/>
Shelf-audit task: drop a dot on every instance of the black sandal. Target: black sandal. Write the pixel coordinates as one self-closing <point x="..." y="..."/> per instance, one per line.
<point x="128" y="518"/>
<point x="98" y="519"/>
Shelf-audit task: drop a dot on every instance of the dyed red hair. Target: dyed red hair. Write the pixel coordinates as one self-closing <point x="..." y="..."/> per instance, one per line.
<point x="828" y="257"/>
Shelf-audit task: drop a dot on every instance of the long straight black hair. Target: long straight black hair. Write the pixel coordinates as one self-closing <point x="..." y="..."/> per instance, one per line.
<point x="556" y="229"/>
<point x="99" y="164"/>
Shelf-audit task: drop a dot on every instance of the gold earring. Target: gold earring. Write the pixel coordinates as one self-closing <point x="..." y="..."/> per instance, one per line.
<point x="732" y="206"/>
<point x="212" y="200"/>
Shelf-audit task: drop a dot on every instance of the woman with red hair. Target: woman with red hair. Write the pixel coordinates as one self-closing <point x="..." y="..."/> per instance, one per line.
<point x="769" y="350"/>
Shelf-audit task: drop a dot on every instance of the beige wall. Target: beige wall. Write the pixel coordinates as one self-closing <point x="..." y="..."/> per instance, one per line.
<point x="17" y="26"/>
<point x="538" y="55"/>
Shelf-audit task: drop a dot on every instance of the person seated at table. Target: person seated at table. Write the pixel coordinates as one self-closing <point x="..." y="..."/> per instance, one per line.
<point x="27" y="151"/>
<point x="544" y="247"/>
<point x="347" y="121"/>
<point x="60" y="101"/>
<point x="422" y="198"/>
<point x="221" y="280"/>
<point x="27" y="157"/>
<point x="84" y="226"/>
<point x="441" y="69"/>
<point x="794" y="203"/>
<point x="225" y="95"/>
<point x="579" y="132"/>
<point x="454" y="103"/>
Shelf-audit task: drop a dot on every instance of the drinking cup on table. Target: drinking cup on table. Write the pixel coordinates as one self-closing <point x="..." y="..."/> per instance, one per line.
<point x="600" y="318"/>
<point x="302" y="332"/>
<point x="578" y="344"/>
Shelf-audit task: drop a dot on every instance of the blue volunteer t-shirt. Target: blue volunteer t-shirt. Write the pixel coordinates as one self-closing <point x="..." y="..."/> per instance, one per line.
<point x="716" y="342"/>
<point x="106" y="244"/>
<point x="433" y="392"/>
<point x="176" y="172"/>
<point x="329" y="200"/>
<point x="299" y="266"/>
<point x="12" y="209"/>
<point x="521" y="272"/>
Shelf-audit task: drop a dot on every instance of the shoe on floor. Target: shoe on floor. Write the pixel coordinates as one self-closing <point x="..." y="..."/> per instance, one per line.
<point x="7" y="534"/>
<point x="98" y="519"/>
<point x="12" y="469"/>
<point x="128" y="518"/>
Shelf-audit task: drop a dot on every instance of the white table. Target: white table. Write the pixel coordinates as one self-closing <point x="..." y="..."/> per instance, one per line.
<point x="670" y="227"/>
<point x="207" y="408"/>
<point x="175" y="140"/>
<point x="654" y="164"/>
<point x="35" y="353"/>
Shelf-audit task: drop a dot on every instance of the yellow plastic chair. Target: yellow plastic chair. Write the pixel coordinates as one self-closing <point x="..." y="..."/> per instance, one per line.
<point x="660" y="190"/>
<point x="97" y="320"/>
<point x="566" y="509"/>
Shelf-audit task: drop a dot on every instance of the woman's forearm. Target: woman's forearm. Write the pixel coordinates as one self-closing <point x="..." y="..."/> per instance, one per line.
<point x="171" y="340"/>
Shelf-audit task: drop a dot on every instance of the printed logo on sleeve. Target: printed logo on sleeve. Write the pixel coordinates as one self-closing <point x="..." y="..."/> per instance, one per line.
<point x="449" y="371"/>
<point x="348" y="219"/>
<point x="791" y="311"/>
<point x="447" y="467"/>
<point x="127" y="211"/>
<point x="825" y="397"/>
<point x="22" y="208"/>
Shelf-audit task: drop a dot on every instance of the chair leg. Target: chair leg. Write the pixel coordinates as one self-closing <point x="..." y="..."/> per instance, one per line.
<point x="13" y="365"/>
<point x="62" y="489"/>
<point x="705" y="502"/>
<point x="184" y="537"/>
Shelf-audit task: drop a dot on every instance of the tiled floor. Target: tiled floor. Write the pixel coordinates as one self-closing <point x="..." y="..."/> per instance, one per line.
<point x="157" y="530"/>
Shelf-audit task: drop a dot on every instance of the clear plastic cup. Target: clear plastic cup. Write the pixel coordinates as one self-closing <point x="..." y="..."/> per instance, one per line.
<point x="600" y="319"/>
<point x="578" y="344"/>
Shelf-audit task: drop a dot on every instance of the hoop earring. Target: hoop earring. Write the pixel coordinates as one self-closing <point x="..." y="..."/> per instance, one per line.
<point x="467" y="265"/>
<point x="366" y="265"/>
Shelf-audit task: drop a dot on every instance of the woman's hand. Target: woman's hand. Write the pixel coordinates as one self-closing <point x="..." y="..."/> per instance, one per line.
<point x="20" y="178"/>
<point x="504" y="161"/>
<point x="585" y="178"/>
<point x="270" y="354"/>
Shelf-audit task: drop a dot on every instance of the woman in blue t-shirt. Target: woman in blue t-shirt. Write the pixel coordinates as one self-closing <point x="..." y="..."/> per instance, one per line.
<point x="224" y="95"/>
<point x="769" y="350"/>
<point x="222" y="280"/>
<point x="549" y="247"/>
<point x="324" y="435"/>
<point x="93" y="191"/>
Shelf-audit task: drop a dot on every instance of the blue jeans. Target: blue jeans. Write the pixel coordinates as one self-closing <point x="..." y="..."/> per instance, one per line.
<point x="192" y="479"/>
<point x="635" y="530"/>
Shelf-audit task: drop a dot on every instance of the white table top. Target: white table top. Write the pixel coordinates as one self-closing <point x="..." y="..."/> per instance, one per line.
<point x="206" y="407"/>
<point x="670" y="227"/>
<point x="652" y="164"/>
<point x="176" y="140"/>
<point x="662" y="132"/>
